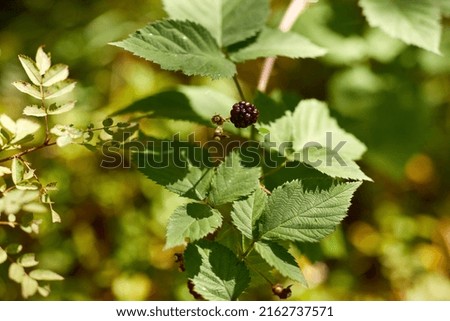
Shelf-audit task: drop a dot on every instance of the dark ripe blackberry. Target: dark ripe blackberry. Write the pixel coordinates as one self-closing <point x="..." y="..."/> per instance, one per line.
<point x="244" y="114"/>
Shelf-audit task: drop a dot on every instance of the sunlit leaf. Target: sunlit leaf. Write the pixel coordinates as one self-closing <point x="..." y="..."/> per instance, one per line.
<point x="59" y="89"/>
<point x="24" y="130"/>
<point x="180" y="45"/>
<point x="44" y="290"/>
<point x="279" y="258"/>
<point x="7" y="123"/>
<point x="29" y="286"/>
<point x="192" y="221"/>
<point x="16" y="272"/>
<point x="247" y="211"/>
<point x="43" y="61"/>
<point x="3" y="255"/>
<point x="216" y="272"/>
<point x="233" y="181"/>
<point x="414" y="22"/>
<point x="28" y="89"/>
<point x="4" y="170"/>
<point x="55" y="74"/>
<point x="310" y="135"/>
<point x="226" y="20"/>
<point x="56" y="218"/>
<point x="34" y="110"/>
<point x="55" y="109"/>
<point x="295" y="214"/>
<point x="28" y="260"/>
<point x="31" y="69"/>
<point x="45" y="275"/>
<point x="171" y="164"/>
<point x="273" y="43"/>
<point x="17" y="170"/>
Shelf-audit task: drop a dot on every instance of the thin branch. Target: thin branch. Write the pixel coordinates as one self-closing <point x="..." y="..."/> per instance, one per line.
<point x="11" y="224"/>
<point x="26" y="151"/>
<point x="295" y="8"/>
<point x="239" y="88"/>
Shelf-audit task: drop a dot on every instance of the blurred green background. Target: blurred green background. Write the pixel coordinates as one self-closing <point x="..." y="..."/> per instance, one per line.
<point x="395" y="243"/>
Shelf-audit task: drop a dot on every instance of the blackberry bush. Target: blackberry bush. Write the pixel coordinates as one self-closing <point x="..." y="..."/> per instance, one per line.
<point x="236" y="218"/>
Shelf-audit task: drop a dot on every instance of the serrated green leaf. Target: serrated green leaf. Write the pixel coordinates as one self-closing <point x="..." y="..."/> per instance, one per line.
<point x="216" y="272"/>
<point x="3" y="255"/>
<point x="193" y="222"/>
<point x="414" y="22"/>
<point x="246" y="212"/>
<point x="233" y="181"/>
<point x="16" y="272"/>
<point x="226" y="20"/>
<point x="29" y="287"/>
<point x="273" y="43"/>
<point x="56" y="73"/>
<point x="56" y="110"/>
<point x="177" y="166"/>
<point x="31" y="69"/>
<point x="196" y="104"/>
<point x="28" y="260"/>
<point x="180" y="45"/>
<point x="294" y="214"/>
<point x="310" y="135"/>
<point x="312" y="123"/>
<point x="59" y="89"/>
<point x="332" y="163"/>
<point x="279" y="258"/>
<point x="17" y="170"/>
<point x="45" y="275"/>
<point x="34" y="110"/>
<point x="28" y="89"/>
<point x="43" y="61"/>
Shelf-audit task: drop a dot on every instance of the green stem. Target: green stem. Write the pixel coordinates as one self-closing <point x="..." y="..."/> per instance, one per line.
<point x="274" y="170"/>
<point x="249" y="249"/>
<point x="239" y="88"/>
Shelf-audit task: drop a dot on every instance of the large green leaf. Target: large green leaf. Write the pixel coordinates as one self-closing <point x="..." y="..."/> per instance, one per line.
<point x="192" y="221"/>
<point x="295" y="214"/>
<point x="177" y="166"/>
<point x="247" y="211"/>
<point x="232" y="181"/>
<point x="312" y="136"/>
<point x="228" y="21"/>
<point x="414" y="22"/>
<point x="180" y="45"/>
<point x="273" y="42"/>
<point x="196" y="104"/>
<point x="216" y="272"/>
<point x="279" y="258"/>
